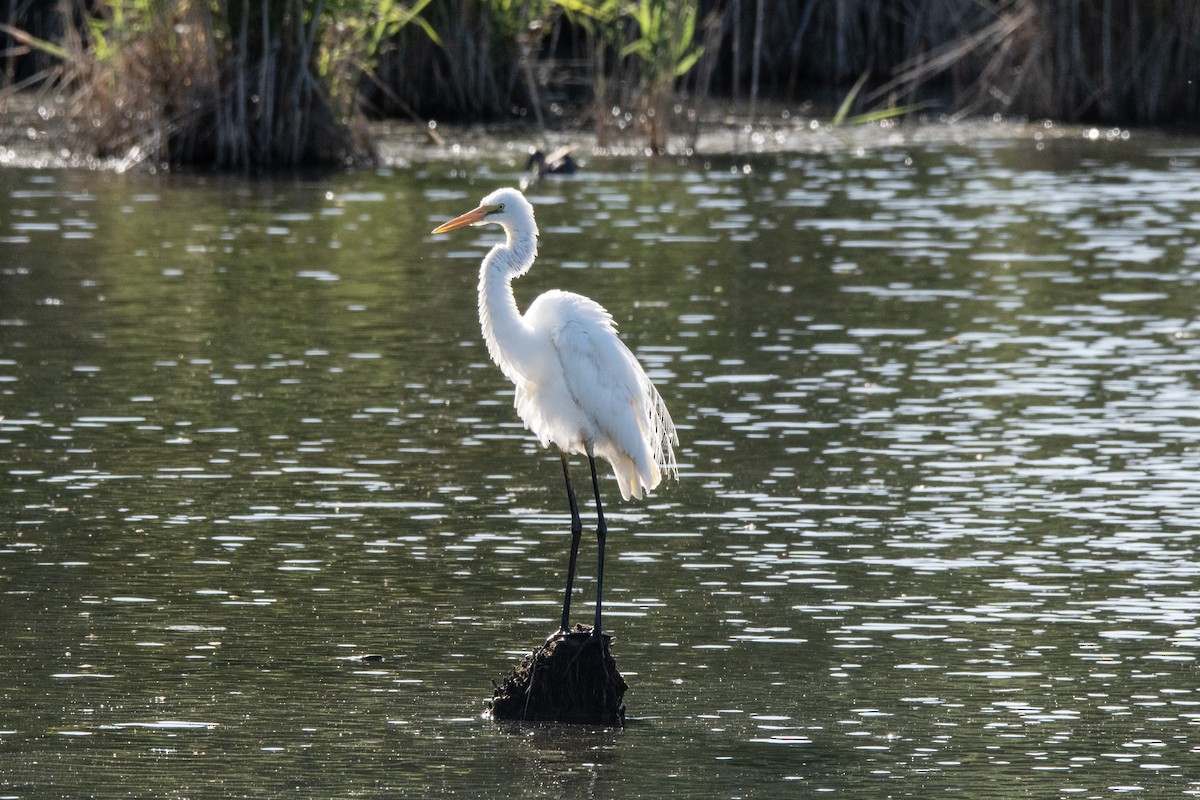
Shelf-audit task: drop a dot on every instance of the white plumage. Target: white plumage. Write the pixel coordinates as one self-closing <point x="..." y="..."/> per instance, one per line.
<point x="577" y="385"/>
<point x="588" y="390"/>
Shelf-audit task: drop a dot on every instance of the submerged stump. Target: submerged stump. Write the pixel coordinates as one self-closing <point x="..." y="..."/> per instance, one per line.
<point x="570" y="678"/>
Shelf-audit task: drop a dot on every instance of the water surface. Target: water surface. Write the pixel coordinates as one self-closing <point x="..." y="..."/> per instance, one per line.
<point x="270" y="523"/>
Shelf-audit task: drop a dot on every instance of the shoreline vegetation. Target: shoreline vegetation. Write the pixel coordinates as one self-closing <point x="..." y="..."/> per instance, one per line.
<point x="254" y="85"/>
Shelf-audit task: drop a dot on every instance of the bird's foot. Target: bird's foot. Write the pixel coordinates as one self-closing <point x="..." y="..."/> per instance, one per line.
<point x="579" y="630"/>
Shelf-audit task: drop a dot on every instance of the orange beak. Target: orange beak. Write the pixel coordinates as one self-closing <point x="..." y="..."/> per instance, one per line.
<point x="476" y="217"/>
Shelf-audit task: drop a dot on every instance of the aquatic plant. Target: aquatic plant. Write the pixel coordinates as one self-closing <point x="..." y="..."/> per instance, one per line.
<point x="249" y="83"/>
<point x="638" y="52"/>
<point x="664" y="50"/>
<point x="237" y="84"/>
<point x="1117" y="61"/>
<point x="1083" y="60"/>
<point x="473" y="71"/>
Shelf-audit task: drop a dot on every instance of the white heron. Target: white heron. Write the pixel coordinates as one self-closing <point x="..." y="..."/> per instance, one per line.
<point x="577" y="385"/>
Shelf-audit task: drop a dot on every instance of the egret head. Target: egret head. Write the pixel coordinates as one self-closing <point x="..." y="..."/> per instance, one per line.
<point x="507" y="208"/>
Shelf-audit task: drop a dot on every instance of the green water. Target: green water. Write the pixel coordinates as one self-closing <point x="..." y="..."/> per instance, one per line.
<point x="935" y="529"/>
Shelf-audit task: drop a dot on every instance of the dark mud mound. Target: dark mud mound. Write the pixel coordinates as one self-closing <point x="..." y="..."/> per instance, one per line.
<point x="570" y="678"/>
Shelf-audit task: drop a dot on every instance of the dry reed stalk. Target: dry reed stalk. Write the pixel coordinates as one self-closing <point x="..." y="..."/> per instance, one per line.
<point x="128" y="104"/>
<point x="921" y="68"/>
<point x="231" y="84"/>
<point x="1111" y="60"/>
<point x="474" y="73"/>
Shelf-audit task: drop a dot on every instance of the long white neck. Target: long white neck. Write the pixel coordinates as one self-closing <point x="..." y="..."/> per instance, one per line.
<point x="508" y="336"/>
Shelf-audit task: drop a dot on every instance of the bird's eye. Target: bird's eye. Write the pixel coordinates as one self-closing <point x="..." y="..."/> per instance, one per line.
<point x="499" y="208"/>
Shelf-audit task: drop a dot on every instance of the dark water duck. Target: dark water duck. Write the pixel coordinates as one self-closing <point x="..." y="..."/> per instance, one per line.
<point x="559" y="162"/>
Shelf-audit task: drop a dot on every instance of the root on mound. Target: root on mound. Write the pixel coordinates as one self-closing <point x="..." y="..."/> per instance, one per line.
<point x="570" y="678"/>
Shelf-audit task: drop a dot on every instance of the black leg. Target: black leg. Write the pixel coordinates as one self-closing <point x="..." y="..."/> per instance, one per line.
<point x="576" y="532"/>
<point x="601" y="535"/>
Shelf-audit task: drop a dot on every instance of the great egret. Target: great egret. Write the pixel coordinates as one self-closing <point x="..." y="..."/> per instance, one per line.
<point x="577" y="385"/>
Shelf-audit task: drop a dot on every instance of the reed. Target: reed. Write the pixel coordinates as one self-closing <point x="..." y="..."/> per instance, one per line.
<point x="1113" y="61"/>
<point x="21" y="63"/>
<point x="1117" y="61"/>
<point x="612" y="63"/>
<point x="663" y="51"/>
<point x="470" y="74"/>
<point x="246" y="84"/>
<point x="235" y="84"/>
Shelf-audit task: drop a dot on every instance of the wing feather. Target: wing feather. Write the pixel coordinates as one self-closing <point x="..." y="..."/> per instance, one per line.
<point x="623" y="417"/>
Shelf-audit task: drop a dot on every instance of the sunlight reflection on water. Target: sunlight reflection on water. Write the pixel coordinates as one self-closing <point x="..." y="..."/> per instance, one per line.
<point x="934" y="530"/>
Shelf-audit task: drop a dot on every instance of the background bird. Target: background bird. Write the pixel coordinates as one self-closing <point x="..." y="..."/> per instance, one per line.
<point x="539" y="165"/>
<point x="577" y="385"/>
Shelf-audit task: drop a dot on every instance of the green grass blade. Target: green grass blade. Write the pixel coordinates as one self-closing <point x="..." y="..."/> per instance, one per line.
<point x="49" y="48"/>
<point x="844" y="109"/>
